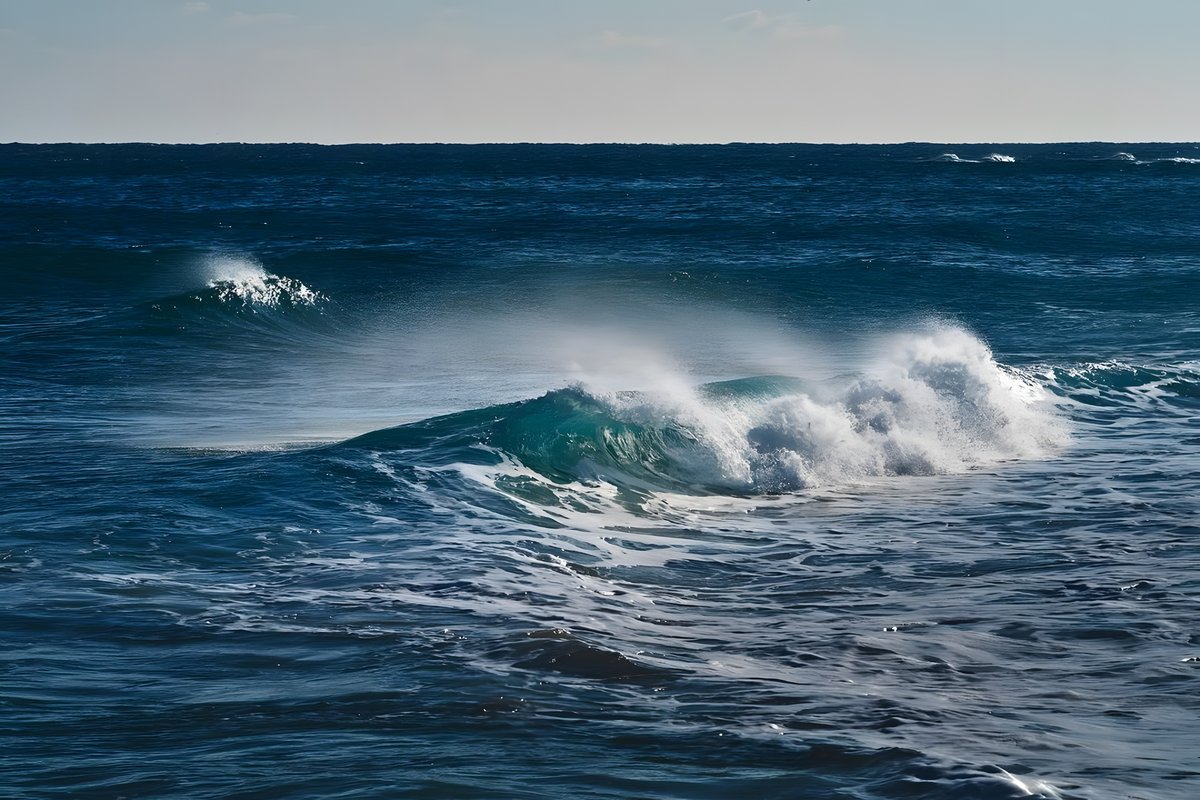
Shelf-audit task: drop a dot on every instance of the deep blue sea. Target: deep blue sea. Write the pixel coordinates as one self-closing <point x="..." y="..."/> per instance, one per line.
<point x="552" y="471"/>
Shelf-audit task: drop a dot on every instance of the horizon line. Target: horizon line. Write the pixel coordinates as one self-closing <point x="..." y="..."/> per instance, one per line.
<point x="596" y="143"/>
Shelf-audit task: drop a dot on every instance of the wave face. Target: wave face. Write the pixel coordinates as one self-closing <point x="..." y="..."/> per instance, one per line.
<point x="730" y="471"/>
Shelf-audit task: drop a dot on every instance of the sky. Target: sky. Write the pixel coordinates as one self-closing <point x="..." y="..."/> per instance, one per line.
<point x="337" y="71"/>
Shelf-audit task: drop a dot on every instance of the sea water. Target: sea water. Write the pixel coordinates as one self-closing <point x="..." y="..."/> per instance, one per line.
<point x="530" y="471"/>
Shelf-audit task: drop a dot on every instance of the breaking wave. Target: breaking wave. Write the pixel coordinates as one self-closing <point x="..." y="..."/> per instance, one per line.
<point x="244" y="283"/>
<point x="935" y="403"/>
<point x="242" y="292"/>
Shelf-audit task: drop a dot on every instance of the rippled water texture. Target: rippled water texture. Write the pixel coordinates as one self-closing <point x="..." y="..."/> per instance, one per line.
<point x="600" y="472"/>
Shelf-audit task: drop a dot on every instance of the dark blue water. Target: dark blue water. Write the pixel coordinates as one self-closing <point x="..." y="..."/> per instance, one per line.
<point x="600" y="471"/>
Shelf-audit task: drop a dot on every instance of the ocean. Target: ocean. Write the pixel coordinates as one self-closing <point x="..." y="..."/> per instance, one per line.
<point x="600" y="471"/>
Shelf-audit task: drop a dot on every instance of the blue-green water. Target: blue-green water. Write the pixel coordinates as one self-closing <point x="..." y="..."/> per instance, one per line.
<point x="600" y="471"/>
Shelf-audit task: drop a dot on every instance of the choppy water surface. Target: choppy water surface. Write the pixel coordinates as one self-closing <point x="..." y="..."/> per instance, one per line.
<point x="604" y="472"/>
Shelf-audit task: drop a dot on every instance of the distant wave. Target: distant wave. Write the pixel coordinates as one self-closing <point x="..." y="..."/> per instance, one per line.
<point x="1129" y="158"/>
<point x="1121" y="157"/>
<point x="937" y="403"/>
<point x="992" y="158"/>
<point x="1173" y="160"/>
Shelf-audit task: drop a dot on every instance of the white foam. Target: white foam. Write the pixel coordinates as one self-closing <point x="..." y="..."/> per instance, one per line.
<point x="999" y="158"/>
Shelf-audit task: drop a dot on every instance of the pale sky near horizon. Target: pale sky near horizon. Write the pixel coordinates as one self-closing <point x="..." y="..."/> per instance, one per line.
<point x="603" y="71"/>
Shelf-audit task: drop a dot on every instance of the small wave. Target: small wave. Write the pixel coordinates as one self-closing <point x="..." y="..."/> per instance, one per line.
<point x="999" y="158"/>
<point x="559" y="650"/>
<point x="1109" y="383"/>
<point x="953" y="158"/>
<point x="246" y="283"/>
<point x="240" y="293"/>
<point x="1122" y="156"/>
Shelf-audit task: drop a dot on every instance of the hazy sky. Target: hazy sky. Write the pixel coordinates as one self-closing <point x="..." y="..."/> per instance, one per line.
<point x="599" y="70"/>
